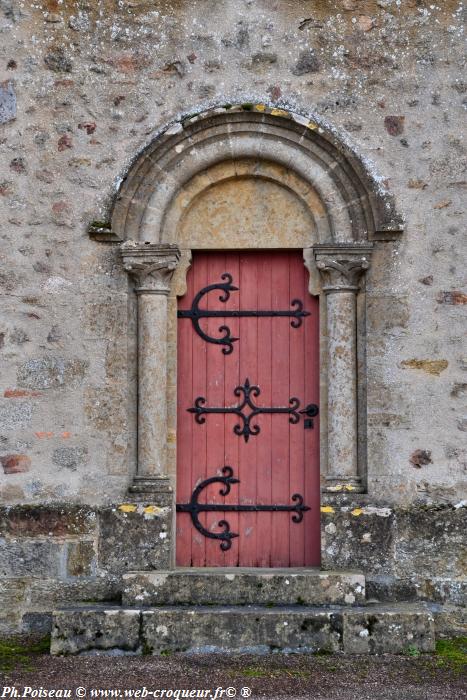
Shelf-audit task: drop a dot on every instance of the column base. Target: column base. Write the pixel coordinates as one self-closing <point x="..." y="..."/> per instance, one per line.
<point x="157" y="489"/>
<point x="343" y="485"/>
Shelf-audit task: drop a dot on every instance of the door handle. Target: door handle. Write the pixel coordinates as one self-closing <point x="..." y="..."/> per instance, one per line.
<point x="311" y="411"/>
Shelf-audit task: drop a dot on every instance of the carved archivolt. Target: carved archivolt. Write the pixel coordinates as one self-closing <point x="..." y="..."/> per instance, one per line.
<point x="350" y="203"/>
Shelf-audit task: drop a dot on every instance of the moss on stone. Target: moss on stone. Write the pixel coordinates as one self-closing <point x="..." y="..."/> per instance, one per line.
<point x="187" y="117"/>
<point x="19" y="652"/>
<point x="452" y="653"/>
<point x="100" y="225"/>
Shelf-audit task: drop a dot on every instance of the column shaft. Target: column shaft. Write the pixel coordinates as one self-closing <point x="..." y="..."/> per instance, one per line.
<point x="342" y="388"/>
<point x="152" y="385"/>
<point x="341" y="267"/>
<point x="152" y="266"/>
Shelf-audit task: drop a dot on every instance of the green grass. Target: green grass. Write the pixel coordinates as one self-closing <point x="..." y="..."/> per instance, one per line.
<point x="16" y="652"/>
<point x="258" y="672"/>
<point x="452" y="653"/>
<point x="412" y="651"/>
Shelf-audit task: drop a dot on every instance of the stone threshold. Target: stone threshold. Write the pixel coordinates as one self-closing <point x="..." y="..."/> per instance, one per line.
<point x="373" y="629"/>
<point x="243" y="586"/>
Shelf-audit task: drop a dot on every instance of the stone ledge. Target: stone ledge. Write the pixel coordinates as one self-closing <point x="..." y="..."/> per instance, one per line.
<point x="393" y="589"/>
<point x="95" y="629"/>
<point x="249" y="629"/>
<point x="243" y="587"/>
<point x="252" y="629"/>
<point x="388" y="630"/>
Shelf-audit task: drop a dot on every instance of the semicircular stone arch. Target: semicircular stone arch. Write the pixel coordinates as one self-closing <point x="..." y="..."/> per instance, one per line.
<point x="345" y="200"/>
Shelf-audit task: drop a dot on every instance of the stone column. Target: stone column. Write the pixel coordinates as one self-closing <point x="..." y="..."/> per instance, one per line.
<point x="152" y="266"/>
<point x="341" y="267"/>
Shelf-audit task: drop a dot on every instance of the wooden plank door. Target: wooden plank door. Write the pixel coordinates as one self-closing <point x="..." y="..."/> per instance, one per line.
<point x="247" y="369"/>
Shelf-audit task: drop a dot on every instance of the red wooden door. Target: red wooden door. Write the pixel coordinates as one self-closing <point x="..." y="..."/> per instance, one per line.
<point x="266" y="361"/>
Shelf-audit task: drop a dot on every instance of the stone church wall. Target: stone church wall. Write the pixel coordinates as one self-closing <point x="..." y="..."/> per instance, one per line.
<point x="84" y="86"/>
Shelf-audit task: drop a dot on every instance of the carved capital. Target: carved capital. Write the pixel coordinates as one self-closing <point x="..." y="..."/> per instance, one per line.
<point x="152" y="265"/>
<point x="342" y="265"/>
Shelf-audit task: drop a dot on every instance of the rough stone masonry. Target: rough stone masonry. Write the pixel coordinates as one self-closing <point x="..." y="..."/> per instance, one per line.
<point x="84" y="87"/>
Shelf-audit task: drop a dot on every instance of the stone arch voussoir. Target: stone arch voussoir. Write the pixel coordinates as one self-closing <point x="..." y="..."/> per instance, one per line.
<point x="350" y="202"/>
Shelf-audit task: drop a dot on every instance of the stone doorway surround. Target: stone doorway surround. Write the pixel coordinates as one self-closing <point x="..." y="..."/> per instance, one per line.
<point x="250" y="177"/>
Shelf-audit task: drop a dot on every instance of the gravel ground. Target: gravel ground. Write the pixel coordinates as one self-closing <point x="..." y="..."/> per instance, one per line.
<point x="274" y="676"/>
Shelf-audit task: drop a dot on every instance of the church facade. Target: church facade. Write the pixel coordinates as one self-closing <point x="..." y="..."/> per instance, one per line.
<point x="233" y="324"/>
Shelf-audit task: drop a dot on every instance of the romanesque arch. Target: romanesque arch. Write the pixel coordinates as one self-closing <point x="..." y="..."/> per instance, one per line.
<point x="349" y="202"/>
<point x="336" y="210"/>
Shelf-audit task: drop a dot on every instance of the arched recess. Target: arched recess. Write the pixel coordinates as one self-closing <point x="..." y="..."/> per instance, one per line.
<point x="316" y="194"/>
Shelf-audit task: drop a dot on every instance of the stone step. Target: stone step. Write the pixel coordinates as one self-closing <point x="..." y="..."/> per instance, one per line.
<point x="243" y="587"/>
<point x="373" y="629"/>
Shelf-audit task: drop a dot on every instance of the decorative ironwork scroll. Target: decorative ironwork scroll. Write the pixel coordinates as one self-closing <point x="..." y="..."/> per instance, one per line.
<point x="226" y="536"/>
<point x="245" y="428"/>
<point x="195" y="313"/>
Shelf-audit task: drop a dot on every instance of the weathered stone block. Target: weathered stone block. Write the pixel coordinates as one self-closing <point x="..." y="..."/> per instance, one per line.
<point x="49" y="521"/>
<point x="374" y="629"/>
<point x="70" y="457"/>
<point x="80" y="631"/>
<point x="388" y="631"/>
<point x="389" y="589"/>
<point x="453" y="297"/>
<point x="134" y="537"/>
<point x="37" y="623"/>
<point x="56" y="60"/>
<point x="104" y="320"/>
<point x="46" y="594"/>
<point x="243" y="587"/>
<point x="443" y="590"/>
<point x="16" y="414"/>
<point x="81" y="558"/>
<point x="12" y="598"/>
<point x="394" y="125"/>
<point x="387" y="312"/>
<point x="434" y="367"/>
<point x="7" y="102"/>
<point x="105" y="409"/>
<point x="450" y="620"/>
<point x="15" y="464"/>
<point x="50" y="372"/>
<point x="240" y="629"/>
<point x="357" y="538"/>
<point x="431" y="542"/>
<point x="30" y="558"/>
<point x="307" y="62"/>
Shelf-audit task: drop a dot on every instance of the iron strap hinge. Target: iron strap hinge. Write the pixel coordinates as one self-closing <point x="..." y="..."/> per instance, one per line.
<point x="226" y="536"/>
<point x="227" y="339"/>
